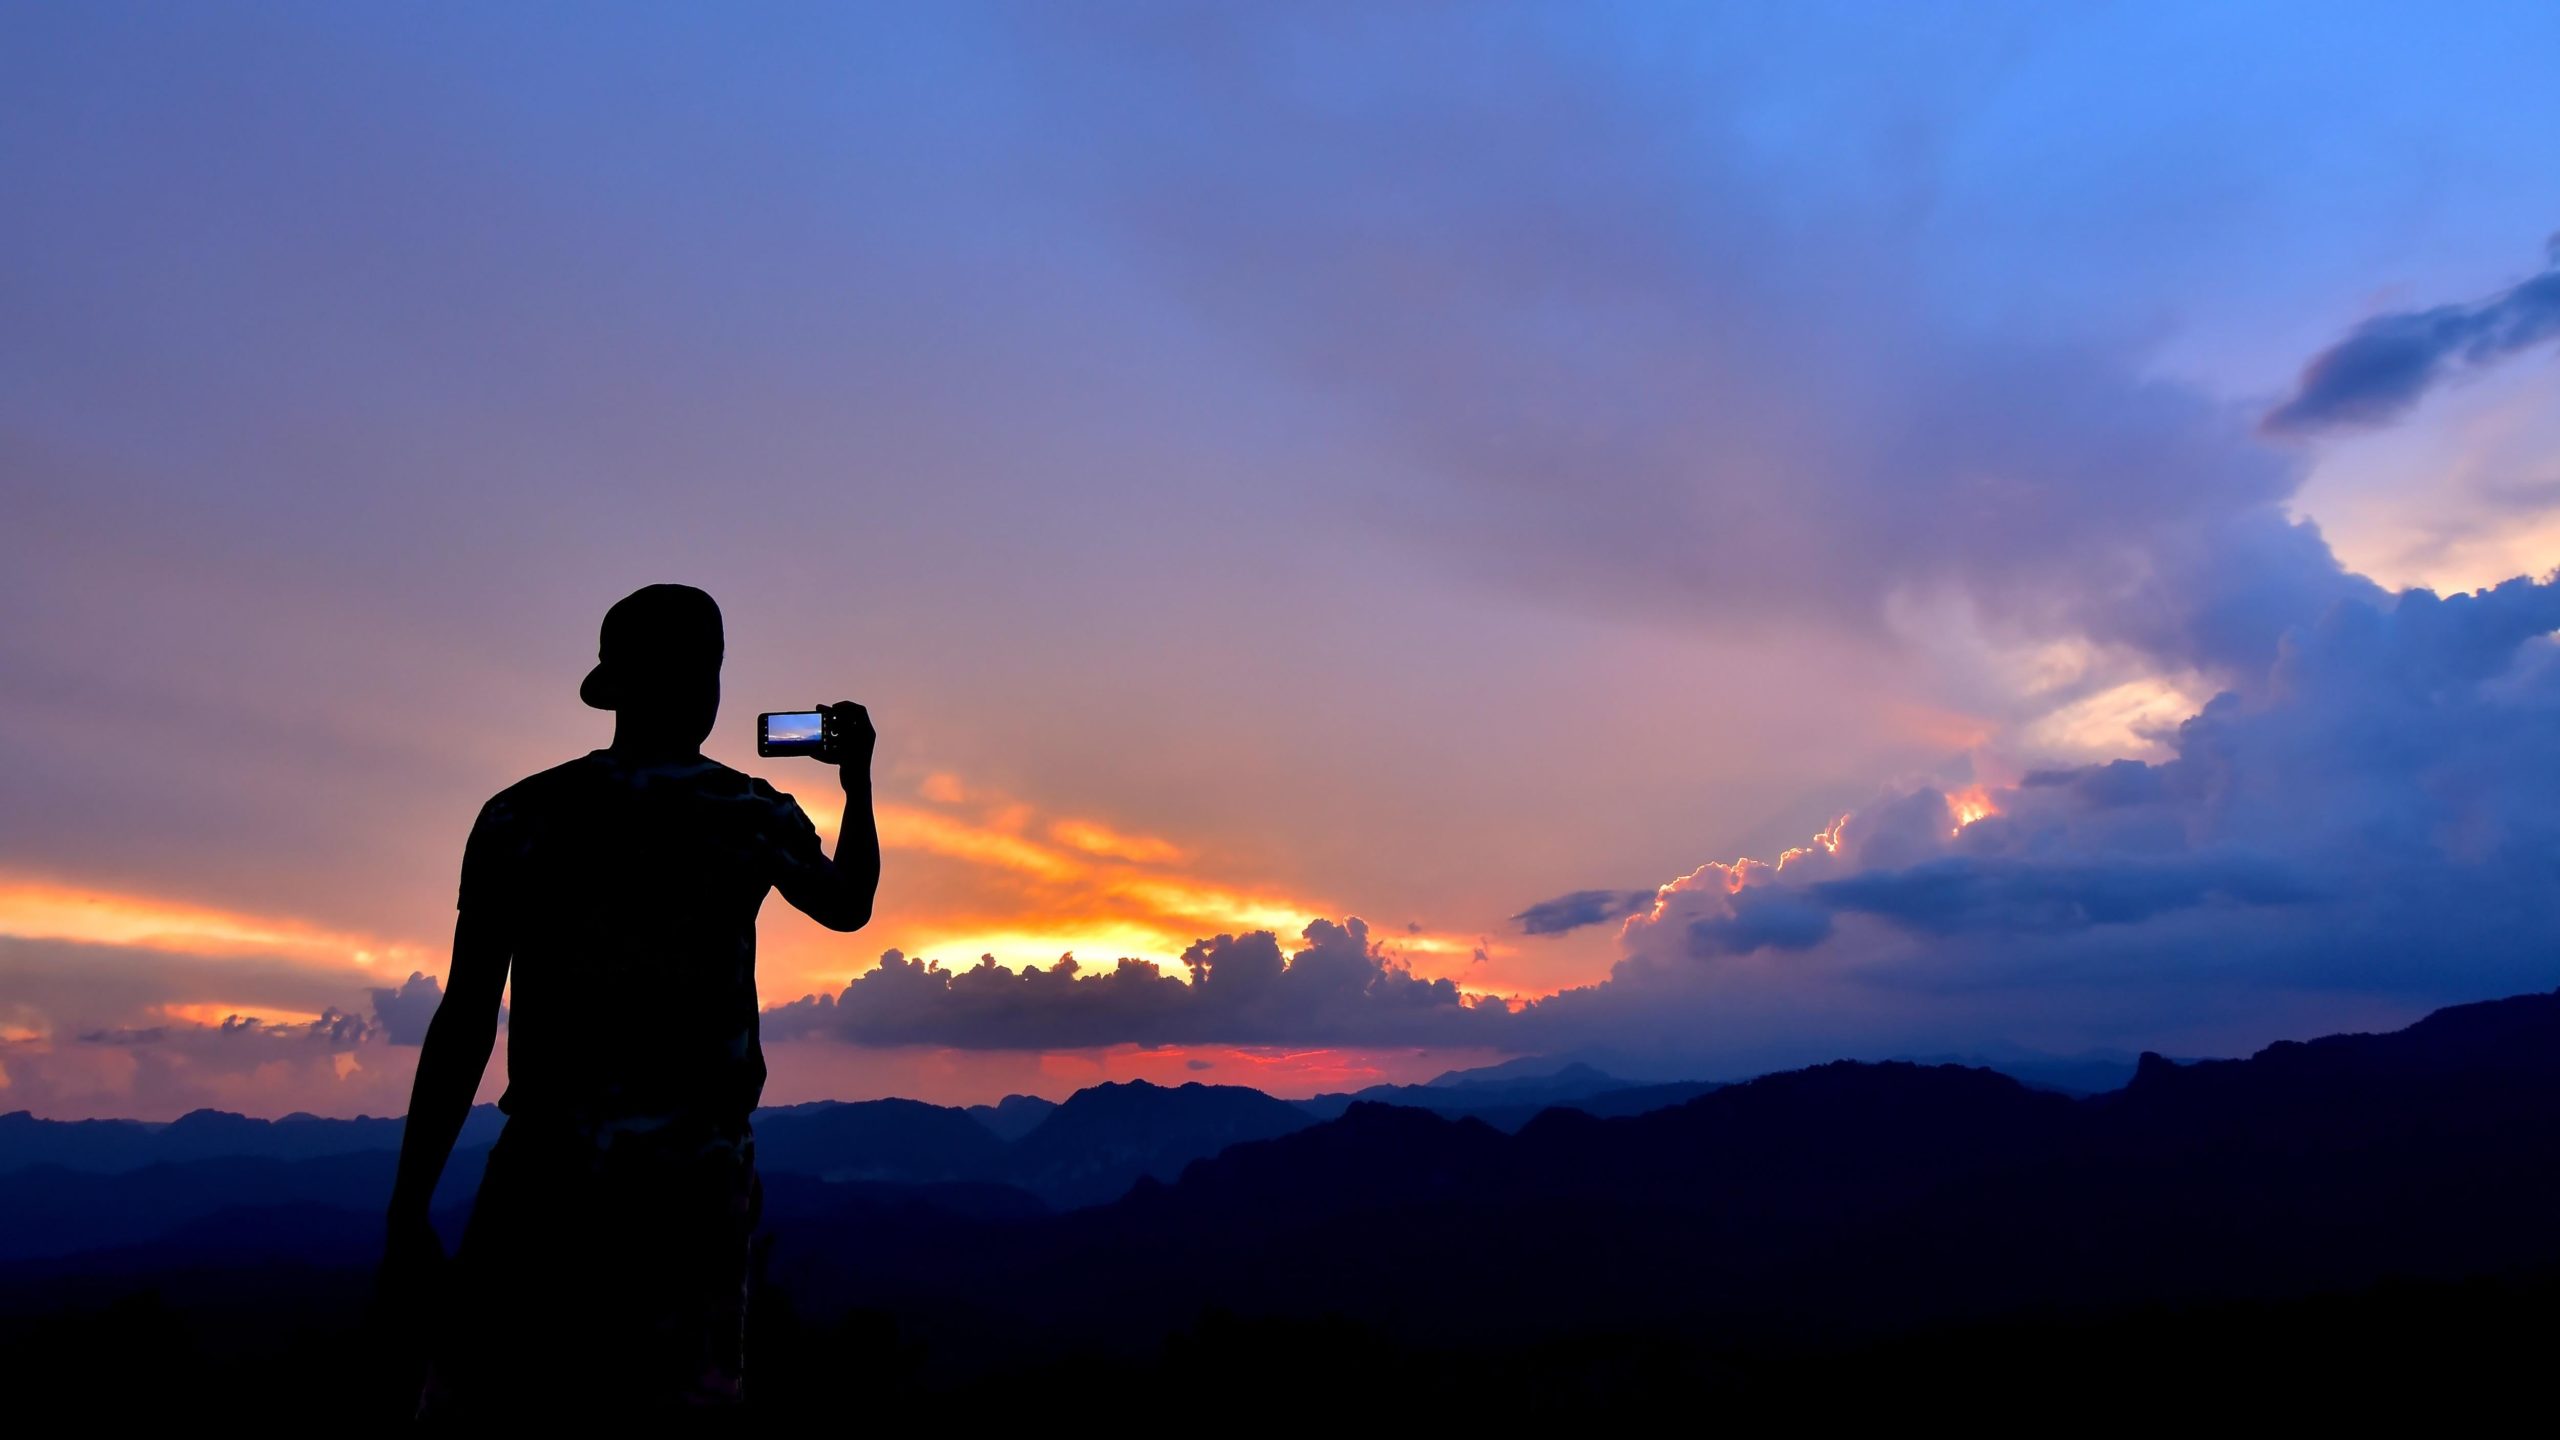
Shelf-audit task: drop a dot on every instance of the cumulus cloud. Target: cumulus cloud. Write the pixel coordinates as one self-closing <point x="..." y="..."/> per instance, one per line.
<point x="402" y="1011"/>
<point x="2362" y="829"/>
<point x="337" y="1064"/>
<point x="1760" y="919"/>
<point x="1337" y="988"/>
<point x="2370" y="828"/>
<point x="89" y="1029"/>
<point x="2386" y="365"/>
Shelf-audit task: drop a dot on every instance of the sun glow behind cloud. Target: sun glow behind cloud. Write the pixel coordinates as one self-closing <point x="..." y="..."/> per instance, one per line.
<point x="1032" y="887"/>
<point x="1015" y="882"/>
<point x="1968" y="805"/>
<point x="1064" y="884"/>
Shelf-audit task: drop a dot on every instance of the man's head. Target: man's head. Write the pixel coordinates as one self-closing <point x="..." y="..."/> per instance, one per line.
<point x="658" y="662"/>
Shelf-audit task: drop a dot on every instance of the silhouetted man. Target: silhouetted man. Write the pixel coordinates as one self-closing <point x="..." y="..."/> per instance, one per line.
<point x="605" y="1264"/>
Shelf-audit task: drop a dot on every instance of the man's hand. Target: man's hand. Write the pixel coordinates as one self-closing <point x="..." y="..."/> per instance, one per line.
<point x="412" y="1255"/>
<point x="838" y="893"/>
<point x="408" y="1310"/>
<point x="406" y="1288"/>
<point x="855" y="741"/>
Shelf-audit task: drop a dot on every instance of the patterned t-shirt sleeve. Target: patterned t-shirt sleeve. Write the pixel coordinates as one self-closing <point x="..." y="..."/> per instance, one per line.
<point x="493" y="858"/>
<point x="792" y="851"/>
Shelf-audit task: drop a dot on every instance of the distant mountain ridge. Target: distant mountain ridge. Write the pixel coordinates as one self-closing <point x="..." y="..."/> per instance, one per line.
<point x="913" y="1141"/>
<point x="1104" y="1139"/>
<point x="1509" y="1095"/>
<point x="1843" y="1199"/>
<point x="1013" y="1117"/>
<point x="1771" y="1239"/>
<point x="904" y="1140"/>
<point x="116" y="1145"/>
<point x="1584" y="1140"/>
<point x="1088" y="1149"/>
<point x="67" y="1187"/>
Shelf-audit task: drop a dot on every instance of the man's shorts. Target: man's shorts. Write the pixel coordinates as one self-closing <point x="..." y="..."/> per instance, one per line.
<point x="605" y="1270"/>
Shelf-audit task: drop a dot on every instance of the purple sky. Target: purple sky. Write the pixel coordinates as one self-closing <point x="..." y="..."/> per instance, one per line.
<point x="1267" y="466"/>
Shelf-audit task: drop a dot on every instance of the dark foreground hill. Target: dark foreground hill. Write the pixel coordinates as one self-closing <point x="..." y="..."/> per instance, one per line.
<point x="1838" y="1206"/>
<point x="2345" y="1227"/>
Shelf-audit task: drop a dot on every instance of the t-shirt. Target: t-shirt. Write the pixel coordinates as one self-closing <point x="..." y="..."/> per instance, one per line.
<point x="629" y="892"/>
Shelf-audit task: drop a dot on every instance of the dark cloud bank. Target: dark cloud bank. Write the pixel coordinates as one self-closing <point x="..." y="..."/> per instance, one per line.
<point x="2363" y="824"/>
<point x="2370" y="827"/>
<point x="1339" y="988"/>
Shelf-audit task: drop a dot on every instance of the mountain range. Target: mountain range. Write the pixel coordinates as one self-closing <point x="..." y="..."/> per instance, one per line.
<point x="68" y="1186"/>
<point x="1733" y="1238"/>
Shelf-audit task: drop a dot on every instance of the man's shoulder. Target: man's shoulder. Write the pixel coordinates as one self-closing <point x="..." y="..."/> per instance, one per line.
<point x="534" y="788"/>
<point x="579" y="781"/>
<point x="762" y="791"/>
<point x="709" y="777"/>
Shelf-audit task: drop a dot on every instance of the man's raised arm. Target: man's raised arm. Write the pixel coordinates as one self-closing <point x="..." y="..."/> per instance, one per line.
<point x="839" y="894"/>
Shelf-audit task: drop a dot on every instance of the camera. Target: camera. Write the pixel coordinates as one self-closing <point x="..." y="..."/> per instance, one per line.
<point x="817" y="733"/>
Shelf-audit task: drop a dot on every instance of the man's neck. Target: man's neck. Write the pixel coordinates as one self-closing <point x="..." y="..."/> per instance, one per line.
<point x="643" y="746"/>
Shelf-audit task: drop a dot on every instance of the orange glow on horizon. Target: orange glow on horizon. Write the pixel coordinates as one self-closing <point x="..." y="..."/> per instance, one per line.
<point x="212" y="1016"/>
<point x="1100" y="893"/>
<point x="1034" y="887"/>
<point x="961" y="1077"/>
<point x="41" y="910"/>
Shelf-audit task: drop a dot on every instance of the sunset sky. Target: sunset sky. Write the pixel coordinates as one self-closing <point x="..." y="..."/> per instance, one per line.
<point x="1482" y="472"/>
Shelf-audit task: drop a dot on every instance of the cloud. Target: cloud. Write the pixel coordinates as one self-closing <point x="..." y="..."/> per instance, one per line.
<point x="1627" y="364"/>
<point x="1580" y="908"/>
<point x="2366" y="830"/>
<point x="1562" y="316"/>
<point x="2386" y="365"/>
<point x="332" y="1029"/>
<point x="35" y="909"/>
<point x="1761" y="919"/>
<point x="402" y="1011"/>
<point x="2362" y="828"/>
<point x="1963" y="893"/>
<point x="1337" y="988"/>
<point x="151" y="1033"/>
<point x="1110" y="887"/>
<point x="63" y="987"/>
<point x="338" y="1063"/>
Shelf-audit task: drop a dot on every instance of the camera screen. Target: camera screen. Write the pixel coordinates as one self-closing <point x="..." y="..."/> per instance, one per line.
<point x="798" y="728"/>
